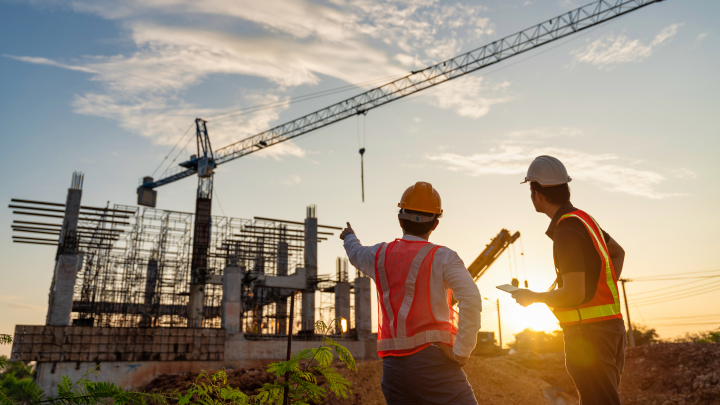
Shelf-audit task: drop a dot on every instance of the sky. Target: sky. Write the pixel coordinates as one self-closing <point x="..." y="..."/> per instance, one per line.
<point x="108" y="87"/>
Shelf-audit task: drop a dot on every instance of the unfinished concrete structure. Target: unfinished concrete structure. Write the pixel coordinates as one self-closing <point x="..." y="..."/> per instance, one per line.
<point x="123" y="292"/>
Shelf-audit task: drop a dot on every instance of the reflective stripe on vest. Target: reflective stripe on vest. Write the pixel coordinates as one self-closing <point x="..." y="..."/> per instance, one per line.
<point x="399" y="339"/>
<point x="587" y="312"/>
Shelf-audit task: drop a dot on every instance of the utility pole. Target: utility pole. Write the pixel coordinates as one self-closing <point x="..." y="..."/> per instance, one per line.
<point x="631" y="336"/>
<point x="499" y="327"/>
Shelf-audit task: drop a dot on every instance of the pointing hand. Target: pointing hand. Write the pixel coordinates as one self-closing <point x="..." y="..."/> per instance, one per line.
<point x="347" y="231"/>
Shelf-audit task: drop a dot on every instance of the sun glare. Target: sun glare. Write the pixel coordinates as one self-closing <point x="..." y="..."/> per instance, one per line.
<point x="536" y="316"/>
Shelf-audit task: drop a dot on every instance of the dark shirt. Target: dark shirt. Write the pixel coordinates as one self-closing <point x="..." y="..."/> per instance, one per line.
<point x="574" y="251"/>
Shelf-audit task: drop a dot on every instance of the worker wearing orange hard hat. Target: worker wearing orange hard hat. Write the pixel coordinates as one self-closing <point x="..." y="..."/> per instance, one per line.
<point x="584" y="298"/>
<point x="424" y="343"/>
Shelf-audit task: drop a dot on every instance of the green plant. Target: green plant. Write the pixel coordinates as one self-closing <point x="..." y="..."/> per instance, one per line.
<point x="213" y="390"/>
<point x="14" y="391"/>
<point x="302" y="383"/>
<point x="302" y="372"/>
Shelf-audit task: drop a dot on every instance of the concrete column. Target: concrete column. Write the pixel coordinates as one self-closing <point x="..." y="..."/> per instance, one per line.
<point x="308" y="297"/>
<point x="151" y="277"/>
<point x="231" y="302"/>
<point x="281" y="309"/>
<point x="67" y="262"/>
<point x="61" y="295"/>
<point x="198" y="266"/>
<point x="363" y="309"/>
<point x="342" y="304"/>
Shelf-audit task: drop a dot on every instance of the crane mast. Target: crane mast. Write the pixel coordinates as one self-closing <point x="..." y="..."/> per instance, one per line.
<point x="206" y="160"/>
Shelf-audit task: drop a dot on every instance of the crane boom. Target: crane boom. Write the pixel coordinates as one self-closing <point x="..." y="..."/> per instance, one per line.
<point x="492" y="251"/>
<point x="548" y="31"/>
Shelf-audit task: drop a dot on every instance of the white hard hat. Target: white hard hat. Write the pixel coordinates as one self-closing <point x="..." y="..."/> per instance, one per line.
<point x="548" y="171"/>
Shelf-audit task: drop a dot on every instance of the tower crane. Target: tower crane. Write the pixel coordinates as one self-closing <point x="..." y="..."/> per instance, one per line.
<point x="206" y="160"/>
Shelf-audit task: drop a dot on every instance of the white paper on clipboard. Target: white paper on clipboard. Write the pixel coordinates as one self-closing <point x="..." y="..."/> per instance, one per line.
<point x="507" y="288"/>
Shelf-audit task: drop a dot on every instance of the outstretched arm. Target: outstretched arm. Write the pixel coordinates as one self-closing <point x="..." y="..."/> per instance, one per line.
<point x="362" y="257"/>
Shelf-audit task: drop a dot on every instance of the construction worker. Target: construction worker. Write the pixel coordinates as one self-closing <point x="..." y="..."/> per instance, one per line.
<point x="424" y="343"/>
<point x="584" y="297"/>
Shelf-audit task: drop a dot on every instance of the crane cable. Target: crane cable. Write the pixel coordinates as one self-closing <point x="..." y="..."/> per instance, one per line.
<point x="361" y="147"/>
<point x="171" y="151"/>
<point x="288" y="101"/>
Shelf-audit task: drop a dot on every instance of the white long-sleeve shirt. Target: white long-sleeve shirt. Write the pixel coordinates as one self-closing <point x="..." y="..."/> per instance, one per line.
<point x="448" y="272"/>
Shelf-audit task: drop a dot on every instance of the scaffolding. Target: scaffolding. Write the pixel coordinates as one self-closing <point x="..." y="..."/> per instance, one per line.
<point x="142" y="278"/>
<point x="137" y="261"/>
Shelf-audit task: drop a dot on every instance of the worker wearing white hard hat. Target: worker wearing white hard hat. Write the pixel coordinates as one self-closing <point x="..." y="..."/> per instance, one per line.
<point x="422" y="340"/>
<point x="584" y="297"/>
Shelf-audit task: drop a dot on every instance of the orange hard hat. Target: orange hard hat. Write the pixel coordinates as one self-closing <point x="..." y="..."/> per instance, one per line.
<point x="421" y="197"/>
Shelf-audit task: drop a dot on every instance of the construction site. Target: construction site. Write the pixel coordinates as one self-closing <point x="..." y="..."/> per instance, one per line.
<point x="156" y="295"/>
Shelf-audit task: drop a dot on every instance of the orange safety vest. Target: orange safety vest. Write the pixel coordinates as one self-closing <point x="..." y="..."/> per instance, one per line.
<point x="406" y="323"/>
<point x="605" y="304"/>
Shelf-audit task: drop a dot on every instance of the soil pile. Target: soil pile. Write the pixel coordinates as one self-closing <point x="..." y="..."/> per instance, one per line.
<point x="662" y="374"/>
<point x="672" y="374"/>
<point x="248" y="380"/>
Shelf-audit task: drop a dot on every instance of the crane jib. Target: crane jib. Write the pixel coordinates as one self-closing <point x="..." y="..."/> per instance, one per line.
<point x="548" y="31"/>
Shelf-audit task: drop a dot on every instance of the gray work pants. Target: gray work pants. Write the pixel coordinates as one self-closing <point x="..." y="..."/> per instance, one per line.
<point x="427" y="377"/>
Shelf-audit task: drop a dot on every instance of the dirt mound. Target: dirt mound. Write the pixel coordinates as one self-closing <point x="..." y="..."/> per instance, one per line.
<point x="672" y="374"/>
<point x="248" y="380"/>
<point x="662" y="374"/>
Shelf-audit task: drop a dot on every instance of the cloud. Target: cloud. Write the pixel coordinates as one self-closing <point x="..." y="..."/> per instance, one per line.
<point x="10" y="302"/>
<point x="684" y="173"/>
<point x="607" y="52"/>
<point x="471" y="97"/>
<point x="611" y="172"/>
<point x="294" y="179"/>
<point x="700" y="38"/>
<point x="48" y="62"/>
<point x="545" y="132"/>
<point x="181" y="43"/>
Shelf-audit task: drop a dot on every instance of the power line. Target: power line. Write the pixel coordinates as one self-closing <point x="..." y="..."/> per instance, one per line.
<point x="675" y="298"/>
<point x="665" y="288"/>
<point x="681" y="291"/>
<point x="678" y="278"/>
<point x="675" y="274"/>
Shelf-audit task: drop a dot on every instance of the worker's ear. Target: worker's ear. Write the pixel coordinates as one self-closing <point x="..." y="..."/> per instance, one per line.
<point x="437" y="222"/>
<point x="536" y="196"/>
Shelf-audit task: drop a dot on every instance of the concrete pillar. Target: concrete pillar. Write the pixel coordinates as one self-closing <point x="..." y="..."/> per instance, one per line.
<point x="68" y="233"/>
<point x="231" y="302"/>
<point x="281" y="310"/>
<point x="363" y="309"/>
<point x="342" y="304"/>
<point x="67" y="261"/>
<point x="151" y="277"/>
<point x="61" y="295"/>
<point x="198" y="266"/>
<point x="308" y="297"/>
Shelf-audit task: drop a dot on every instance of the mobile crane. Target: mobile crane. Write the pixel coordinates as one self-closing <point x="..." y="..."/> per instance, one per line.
<point x="206" y="160"/>
<point x="492" y="251"/>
